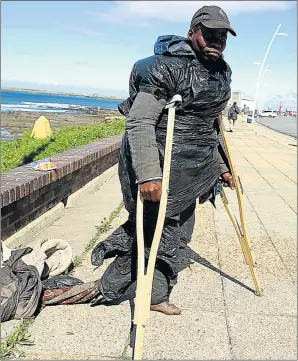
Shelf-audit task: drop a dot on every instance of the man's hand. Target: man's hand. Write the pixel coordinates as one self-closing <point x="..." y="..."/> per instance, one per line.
<point x="228" y="180"/>
<point x="151" y="191"/>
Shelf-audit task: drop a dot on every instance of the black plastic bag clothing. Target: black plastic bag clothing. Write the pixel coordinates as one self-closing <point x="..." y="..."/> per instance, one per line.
<point x="61" y="281"/>
<point x="122" y="273"/>
<point x="174" y="69"/>
<point x="205" y="92"/>
<point x="20" y="287"/>
<point x="173" y="255"/>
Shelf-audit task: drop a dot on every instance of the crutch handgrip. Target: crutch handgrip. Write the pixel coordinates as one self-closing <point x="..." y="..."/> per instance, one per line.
<point x="174" y="102"/>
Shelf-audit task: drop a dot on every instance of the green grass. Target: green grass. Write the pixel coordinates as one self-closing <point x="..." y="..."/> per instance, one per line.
<point x="26" y="149"/>
<point x="20" y="336"/>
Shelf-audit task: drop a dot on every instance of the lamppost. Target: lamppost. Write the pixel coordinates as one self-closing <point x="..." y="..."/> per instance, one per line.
<point x="266" y="70"/>
<point x="262" y="67"/>
<point x="263" y="97"/>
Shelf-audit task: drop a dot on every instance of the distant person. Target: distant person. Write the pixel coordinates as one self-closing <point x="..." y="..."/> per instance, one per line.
<point x="244" y="111"/>
<point x="232" y="115"/>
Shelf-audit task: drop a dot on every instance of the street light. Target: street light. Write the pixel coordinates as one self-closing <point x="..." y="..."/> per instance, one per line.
<point x="263" y="96"/>
<point x="262" y="67"/>
<point x="267" y="70"/>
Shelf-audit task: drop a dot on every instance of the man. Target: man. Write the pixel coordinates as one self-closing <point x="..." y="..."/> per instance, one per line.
<point x="232" y="115"/>
<point x="195" y="69"/>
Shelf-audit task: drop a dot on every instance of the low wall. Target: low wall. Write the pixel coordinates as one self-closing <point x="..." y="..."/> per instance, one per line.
<point x="26" y="194"/>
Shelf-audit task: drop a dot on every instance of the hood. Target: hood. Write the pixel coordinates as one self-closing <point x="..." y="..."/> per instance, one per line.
<point x="173" y="45"/>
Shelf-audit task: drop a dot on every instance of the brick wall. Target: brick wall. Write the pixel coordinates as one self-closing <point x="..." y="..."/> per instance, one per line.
<point x="26" y="194"/>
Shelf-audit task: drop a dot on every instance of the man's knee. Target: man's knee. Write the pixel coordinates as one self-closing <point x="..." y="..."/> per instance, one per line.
<point x="117" y="278"/>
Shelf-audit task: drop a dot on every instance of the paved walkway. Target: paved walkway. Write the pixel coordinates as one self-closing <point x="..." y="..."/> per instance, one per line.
<point x="221" y="318"/>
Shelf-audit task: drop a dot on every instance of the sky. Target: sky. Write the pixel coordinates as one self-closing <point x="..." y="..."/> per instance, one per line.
<point x="91" y="46"/>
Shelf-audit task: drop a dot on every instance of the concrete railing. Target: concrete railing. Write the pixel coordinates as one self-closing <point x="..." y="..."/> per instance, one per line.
<point x="26" y="194"/>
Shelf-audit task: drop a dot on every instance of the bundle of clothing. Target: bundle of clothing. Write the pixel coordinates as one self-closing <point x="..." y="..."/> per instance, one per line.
<point x="34" y="276"/>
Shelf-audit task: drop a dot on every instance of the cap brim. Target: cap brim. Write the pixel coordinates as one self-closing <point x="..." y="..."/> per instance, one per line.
<point x="217" y="24"/>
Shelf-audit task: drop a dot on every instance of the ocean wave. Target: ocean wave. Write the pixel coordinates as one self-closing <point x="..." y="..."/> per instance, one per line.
<point x="45" y="107"/>
<point x="28" y="108"/>
<point x="14" y="106"/>
<point x="53" y="105"/>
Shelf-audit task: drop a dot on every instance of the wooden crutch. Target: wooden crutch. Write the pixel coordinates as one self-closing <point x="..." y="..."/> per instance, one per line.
<point x="144" y="280"/>
<point x="241" y="230"/>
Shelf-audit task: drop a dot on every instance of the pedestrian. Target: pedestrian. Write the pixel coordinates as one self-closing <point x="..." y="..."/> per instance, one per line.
<point x="193" y="67"/>
<point x="244" y="111"/>
<point x="232" y="115"/>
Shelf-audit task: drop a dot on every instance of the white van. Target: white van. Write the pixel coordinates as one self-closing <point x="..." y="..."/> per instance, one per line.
<point x="268" y="114"/>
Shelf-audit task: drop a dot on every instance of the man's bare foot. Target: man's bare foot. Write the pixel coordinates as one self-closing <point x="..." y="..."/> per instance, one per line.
<point x="166" y="308"/>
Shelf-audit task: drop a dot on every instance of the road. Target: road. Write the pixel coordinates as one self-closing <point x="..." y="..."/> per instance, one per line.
<point x="285" y="125"/>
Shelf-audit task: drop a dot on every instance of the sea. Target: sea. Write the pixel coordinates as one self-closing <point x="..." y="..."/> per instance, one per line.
<point x="42" y="102"/>
<point x="26" y="101"/>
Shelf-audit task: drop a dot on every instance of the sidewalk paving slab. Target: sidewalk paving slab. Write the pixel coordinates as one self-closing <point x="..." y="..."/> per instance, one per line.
<point x="263" y="337"/>
<point x="81" y="330"/>
<point x="195" y="335"/>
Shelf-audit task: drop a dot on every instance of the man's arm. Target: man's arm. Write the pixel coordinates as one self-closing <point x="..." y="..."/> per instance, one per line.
<point x="154" y="84"/>
<point x="222" y="165"/>
<point x="140" y="127"/>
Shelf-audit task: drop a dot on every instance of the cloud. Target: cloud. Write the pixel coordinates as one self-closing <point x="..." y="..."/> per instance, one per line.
<point x="288" y="99"/>
<point x="121" y="15"/>
<point x="41" y="81"/>
<point x="81" y="63"/>
<point x="27" y="53"/>
<point x="45" y="81"/>
<point x="81" y="30"/>
<point x="144" y="12"/>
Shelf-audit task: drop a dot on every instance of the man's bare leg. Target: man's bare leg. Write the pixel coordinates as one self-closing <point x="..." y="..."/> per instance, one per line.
<point x="167" y="308"/>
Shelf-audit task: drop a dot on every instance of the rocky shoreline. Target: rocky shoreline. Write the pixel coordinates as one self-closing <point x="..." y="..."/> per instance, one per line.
<point x="14" y="123"/>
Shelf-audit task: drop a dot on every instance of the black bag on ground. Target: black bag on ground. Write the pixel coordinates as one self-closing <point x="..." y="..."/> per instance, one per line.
<point x="61" y="281"/>
<point x="20" y="287"/>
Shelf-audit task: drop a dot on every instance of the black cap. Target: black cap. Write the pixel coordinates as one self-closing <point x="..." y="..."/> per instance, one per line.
<point x="212" y="17"/>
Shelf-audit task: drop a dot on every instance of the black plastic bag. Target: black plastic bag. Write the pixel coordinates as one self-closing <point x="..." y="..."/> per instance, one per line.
<point x="61" y="281"/>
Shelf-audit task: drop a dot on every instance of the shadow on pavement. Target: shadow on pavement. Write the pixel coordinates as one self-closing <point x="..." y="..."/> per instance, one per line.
<point x="197" y="258"/>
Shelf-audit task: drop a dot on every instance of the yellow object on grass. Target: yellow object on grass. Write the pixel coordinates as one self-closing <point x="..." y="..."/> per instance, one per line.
<point x="42" y="128"/>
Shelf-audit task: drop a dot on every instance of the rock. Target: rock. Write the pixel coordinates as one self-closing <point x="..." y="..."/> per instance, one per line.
<point x="113" y="118"/>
